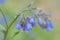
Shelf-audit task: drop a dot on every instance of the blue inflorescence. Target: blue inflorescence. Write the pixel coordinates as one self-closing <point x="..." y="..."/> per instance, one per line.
<point x="29" y="22"/>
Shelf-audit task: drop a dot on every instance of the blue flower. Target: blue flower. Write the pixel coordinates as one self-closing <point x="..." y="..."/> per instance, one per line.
<point x="49" y="25"/>
<point x="26" y="30"/>
<point x="48" y="29"/>
<point x="40" y="21"/>
<point x="32" y="21"/>
<point x="28" y="27"/>
<point x="18" y="26"/>
<point x="2" y="2"/>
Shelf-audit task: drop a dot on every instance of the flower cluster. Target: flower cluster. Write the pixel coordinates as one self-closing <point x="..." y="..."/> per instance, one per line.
<point x="26" y="24"/>
<point x="29" y="22"/>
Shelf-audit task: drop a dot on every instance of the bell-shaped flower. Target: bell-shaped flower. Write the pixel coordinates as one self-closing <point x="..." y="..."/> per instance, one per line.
<point x="28" y="27"/>
<point x="32" y="22"/>
<point x="48" y="29"/>
<point x="40" y="21"/>
<point x="18" y="26"/>
<point x="49" y="25"/>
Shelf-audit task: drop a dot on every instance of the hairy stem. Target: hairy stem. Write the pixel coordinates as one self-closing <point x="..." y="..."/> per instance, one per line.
<point x="16" y="18"/>
<point x="4" y="17"/>
<point x="8" y="27"/>
<point x="5" y="23"/>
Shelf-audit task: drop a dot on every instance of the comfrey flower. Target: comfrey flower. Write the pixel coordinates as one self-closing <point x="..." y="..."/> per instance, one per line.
<point x="48" y="29"/>
<point x="3" y="2"/>
<point x="41" y="23"/>
<point x="28" y="27"/>
<point x="18" y="26"/>
<point x="27" y="23"/>
<point x="49" y="25"/>
<point x="24" y="25"/>
<point x="32" y="21"/>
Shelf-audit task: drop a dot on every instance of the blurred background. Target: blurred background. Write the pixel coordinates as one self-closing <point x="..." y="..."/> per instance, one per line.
<point x="50" y="6"/>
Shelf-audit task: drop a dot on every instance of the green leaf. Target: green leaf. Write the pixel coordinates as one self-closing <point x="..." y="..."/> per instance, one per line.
<point x="16" y="33"/>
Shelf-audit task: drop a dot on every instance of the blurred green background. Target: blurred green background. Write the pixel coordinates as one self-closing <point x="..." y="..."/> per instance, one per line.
<point x="51" y="6"/>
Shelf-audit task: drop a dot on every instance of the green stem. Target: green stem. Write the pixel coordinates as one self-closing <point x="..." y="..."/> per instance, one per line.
<point x="8" y="27"/>
<point x="5" y="22"/>
<point x="16" y="18"/>
<point x="4" y="17"/>
<point x="13" y="22"/>
<point x="5" y="35"/>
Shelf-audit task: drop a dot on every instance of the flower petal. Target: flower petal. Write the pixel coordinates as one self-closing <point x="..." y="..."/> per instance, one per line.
<point x="28" y="27"/>
<point x="32" y="21"/>
<point x="48" y="29"/>
<point x="18" y="26"/>
<point x="40" y="21"/>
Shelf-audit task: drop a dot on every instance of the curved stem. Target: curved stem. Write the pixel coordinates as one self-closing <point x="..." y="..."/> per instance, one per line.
<point x="11" y="25"/>
<point x="5" y="22"/>
<point x="8" y="27"/>
<point x="4" y="17"/>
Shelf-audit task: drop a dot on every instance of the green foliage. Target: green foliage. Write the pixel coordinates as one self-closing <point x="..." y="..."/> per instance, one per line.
<point x="16" y="33"/>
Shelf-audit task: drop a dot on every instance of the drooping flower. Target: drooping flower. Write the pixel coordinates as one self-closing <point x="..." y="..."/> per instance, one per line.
<point x="49" y="25"/>
<point x="48" y="29"/>
<point x="27" y="23"/>
<point x="18" y="26"/>
<point x="41" y="23"/>
<point x="28" y="27"/>
<point x="32" y="22"/>
<point x="24" y="25"/>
